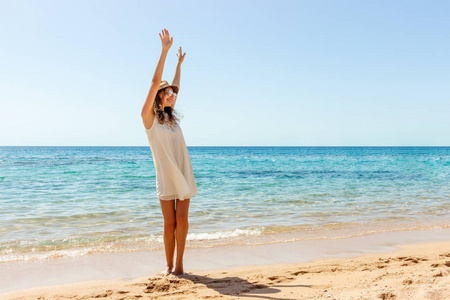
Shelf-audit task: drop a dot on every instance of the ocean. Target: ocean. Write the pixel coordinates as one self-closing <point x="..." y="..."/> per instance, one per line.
<point x="73" y="201"/>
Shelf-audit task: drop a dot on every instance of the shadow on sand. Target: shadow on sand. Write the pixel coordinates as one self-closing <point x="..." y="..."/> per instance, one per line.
<point x="261" y="287"/>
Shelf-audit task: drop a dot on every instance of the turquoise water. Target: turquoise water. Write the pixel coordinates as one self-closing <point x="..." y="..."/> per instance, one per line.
<point x="71" y="201"/>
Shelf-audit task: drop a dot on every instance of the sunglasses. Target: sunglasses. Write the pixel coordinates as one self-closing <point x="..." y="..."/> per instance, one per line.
<point x="171" y="93"/>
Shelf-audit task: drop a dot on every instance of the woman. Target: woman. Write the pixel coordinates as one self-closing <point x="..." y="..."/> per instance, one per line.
<point x="175" y="182"/>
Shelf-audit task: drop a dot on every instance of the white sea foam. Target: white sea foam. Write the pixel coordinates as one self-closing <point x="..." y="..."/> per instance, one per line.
<point x="225" y="234"/>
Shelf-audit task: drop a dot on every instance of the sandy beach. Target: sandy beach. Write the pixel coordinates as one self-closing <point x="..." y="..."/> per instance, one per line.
<point x="397" y="270"/>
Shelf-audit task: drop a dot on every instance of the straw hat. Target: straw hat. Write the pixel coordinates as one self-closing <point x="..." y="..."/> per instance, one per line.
<point x="164" y="84"/>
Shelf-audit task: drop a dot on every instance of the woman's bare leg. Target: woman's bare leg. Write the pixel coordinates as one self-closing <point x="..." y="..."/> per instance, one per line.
<point x="182" y="225"/>
<point x="168" y="211"/>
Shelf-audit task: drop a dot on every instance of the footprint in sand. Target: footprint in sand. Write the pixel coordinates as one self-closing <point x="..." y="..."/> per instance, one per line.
<point x="409" y="260"/>
<point x="388" y="295"/>
<point x="104" y="295"/>
<point x="279" y="279"/>
<point x="447" y="264"/>
<point x="166" y="284"/>
<point x="335" y="269"/>
<point x="438" y="275"/>
<point x="407" y="281"/>
<point x="152" y="287"/>
<point x="299" y="273"/>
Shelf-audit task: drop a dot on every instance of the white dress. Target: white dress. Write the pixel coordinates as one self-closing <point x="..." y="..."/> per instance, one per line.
<point x="174" y="176"/>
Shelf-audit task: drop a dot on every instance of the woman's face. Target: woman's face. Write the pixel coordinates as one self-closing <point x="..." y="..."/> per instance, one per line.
<point x="168" y="97"/>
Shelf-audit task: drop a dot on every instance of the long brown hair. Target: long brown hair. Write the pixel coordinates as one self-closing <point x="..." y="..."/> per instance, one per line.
<point x="166" y="115"/>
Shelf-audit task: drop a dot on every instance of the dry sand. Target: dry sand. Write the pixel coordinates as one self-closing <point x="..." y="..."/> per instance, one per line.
<point x="414" y="272"/>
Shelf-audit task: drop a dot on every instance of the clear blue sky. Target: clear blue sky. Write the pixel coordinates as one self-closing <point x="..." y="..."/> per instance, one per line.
<point x="281" y="73"/>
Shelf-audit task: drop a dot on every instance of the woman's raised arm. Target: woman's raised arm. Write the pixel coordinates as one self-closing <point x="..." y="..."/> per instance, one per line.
<point x="147" y="110"/>
<point x="176" y="77"/>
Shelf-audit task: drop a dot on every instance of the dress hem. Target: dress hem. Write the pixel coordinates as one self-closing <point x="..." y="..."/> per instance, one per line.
<point x="173" y="197"/>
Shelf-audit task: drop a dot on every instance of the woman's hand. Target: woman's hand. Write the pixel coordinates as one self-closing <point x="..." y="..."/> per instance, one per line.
<point x="166" y="40"/>
<point x="180" y="56"/>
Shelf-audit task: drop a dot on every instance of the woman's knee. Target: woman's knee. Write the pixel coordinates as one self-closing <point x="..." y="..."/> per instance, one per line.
<point x="170" y="224"/>
<point x="182" y="220"/>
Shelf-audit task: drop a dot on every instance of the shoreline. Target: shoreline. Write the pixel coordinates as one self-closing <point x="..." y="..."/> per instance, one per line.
<point x="247" y="236"/>
<point x="95" y="269"/>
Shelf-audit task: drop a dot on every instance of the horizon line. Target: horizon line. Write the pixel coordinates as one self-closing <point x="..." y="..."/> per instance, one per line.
<point x="213" y="146"/>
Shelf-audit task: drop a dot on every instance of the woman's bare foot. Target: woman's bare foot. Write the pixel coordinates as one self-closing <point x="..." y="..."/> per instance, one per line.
<point x="179" y="271"/>
<point x="166" y="272"/>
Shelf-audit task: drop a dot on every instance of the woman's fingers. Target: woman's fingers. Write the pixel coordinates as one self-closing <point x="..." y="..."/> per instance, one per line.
<point x="166" y="39"/>
<point x="165" y="34"/>
<point x="180" y="52"/>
